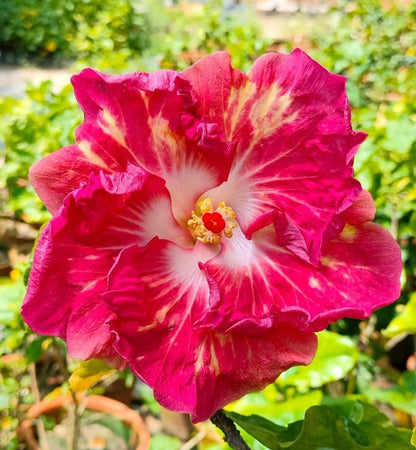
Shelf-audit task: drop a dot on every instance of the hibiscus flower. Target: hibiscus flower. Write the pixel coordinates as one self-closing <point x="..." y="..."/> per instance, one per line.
<point x="205" y="225"/>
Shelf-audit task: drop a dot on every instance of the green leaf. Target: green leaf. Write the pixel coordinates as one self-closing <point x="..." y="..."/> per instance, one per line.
<point x="270" y="406"/>
<point x="381" y="432"/>
<point x="405" y="322"/>
<point x="413" y="439"/>
<point x="402" y="396"/>
<point x="326" y="429"/>
<point x="335" y="358"/>
<point x="394" y="397"/>
<point x="266" y="431"/>
<point x="347" y="407"/>
<point x="11" y="295"/>
<point x="162" y="442"/>
<point x="87" y="373"/>
<point x="34" y="349"/>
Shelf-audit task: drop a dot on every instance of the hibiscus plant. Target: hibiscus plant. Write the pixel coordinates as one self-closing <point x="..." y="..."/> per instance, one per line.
<point x="206" y="225"/>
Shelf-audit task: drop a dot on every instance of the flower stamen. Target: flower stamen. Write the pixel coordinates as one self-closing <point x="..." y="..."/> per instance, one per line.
<point x="208" y="225"/>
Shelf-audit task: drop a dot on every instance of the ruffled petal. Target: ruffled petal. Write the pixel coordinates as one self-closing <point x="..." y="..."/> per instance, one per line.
<point x="88" y="334"/>
<point x="218" y="89"/>
<point x="257" y="280"/>
<point x="59" y="173"/>
<point x="66" y="278"/>
<point x="78" y="247"/>
<point x="146" y="119"/>
<point x="157" y="293"/>
<point x="289" y="121"/>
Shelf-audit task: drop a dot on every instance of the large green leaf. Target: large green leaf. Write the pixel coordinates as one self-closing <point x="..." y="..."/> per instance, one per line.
<point x="336" y="356"/>
<point x="267" y="404"/>
<point x="268" y="433"/>
<point x="324" y="428"/>
<point x="405" y="322"/>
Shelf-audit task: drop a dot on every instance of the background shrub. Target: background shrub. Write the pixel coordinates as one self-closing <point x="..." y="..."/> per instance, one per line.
<point x="64" y="29"/>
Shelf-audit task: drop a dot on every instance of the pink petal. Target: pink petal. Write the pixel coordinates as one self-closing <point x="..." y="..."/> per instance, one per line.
<point x="157" y="293"/>
<point x="256" y="280"/>
<point x="88" y="334"/>
<point x="59" y="173"/>
<point x="213" y="82"/>
<point x="289" y="121"/>
<point x="78" y="247"/>
<point x="143" y="118"/>
<point x="362" y="210"/>
<point x="67" y="277"/>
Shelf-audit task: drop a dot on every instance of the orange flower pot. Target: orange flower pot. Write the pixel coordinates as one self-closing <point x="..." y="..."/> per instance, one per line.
<point x="140" y="437"/>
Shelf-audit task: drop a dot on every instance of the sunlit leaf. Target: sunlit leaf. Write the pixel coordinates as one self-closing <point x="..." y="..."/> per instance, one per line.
<point x="11" y="295"/>
<point x="162" y="442"/>
<point x="325" y="428"/>
<point x="335" y="358"/>
<point x="265" y="431"/>
<point x="88" y="373"/>
<point x="280" y="411"/>
<point x="401" y="396"/>
<point x="405" y="322"/>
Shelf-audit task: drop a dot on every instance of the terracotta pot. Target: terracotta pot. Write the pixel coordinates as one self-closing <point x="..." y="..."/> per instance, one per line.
<point x="53" y="406"/>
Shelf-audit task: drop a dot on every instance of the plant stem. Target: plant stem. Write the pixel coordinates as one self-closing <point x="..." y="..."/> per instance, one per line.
<point x="351" y="382"/>
<point x="76" y="422"/>
<point x="43" y="442"/>
<point x="227" y="426"/>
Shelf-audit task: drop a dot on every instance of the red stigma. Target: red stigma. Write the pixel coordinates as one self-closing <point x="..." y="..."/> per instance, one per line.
<point x="213" y="222"/>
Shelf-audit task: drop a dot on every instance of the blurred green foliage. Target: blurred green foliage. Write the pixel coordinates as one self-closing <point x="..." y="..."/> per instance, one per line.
<point x="183" y="34"/>
<point x="14" y="376"/>
<point x="31" y="128"/>
<point x="405" y="321"/>
<point x="335" y="358"/>
<point x="64" y="29"/>
<point x="373" y="43"/>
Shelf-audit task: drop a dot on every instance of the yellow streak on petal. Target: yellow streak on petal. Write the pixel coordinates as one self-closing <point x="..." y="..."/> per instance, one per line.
<point x="263" y="106"/>
<point x="89" y="286"/>
<point x="161" y="314"/>
<point x="214" y="360"/>
<point x="85" y="148"/>
<point x="109" y="125"/>
<point x="165" y="142"/>
<point x="267" y="112"/>
<point x="349" y="233"/>
<point x="236" y="104"/>
<point x="223" y="339"/>
<point x="199" y="363"/>
<point x="147" y="327"/>
<point x="328" y="262"/>
<point x="159" y="318"/>
<point x="314" y="283"/>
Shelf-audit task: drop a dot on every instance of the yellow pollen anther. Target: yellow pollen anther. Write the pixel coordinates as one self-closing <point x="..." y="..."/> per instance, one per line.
<point x="204" y="206"/>
<point x="208" y="225"/>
